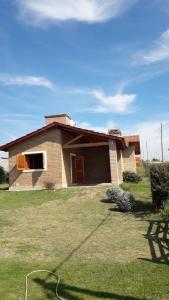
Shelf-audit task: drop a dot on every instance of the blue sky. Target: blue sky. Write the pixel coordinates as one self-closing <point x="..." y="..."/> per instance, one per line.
<point x="105" y="63"/>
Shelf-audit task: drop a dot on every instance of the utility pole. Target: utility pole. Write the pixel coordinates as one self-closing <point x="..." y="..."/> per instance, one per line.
<point x="147" y="151"/>
<point x="162" y="148"/>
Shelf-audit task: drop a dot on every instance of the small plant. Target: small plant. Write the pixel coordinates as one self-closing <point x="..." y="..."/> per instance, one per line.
<point x="124" y="200"/>
<point x="49" y="185"/>
<point x="131" y="177"/>
<point x="159" y="177"/>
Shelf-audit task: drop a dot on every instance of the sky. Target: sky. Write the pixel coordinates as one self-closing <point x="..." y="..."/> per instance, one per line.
<point x="105" y="63"/>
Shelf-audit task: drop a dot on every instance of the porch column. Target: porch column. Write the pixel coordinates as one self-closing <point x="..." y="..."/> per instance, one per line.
<point x="113" y="162"/>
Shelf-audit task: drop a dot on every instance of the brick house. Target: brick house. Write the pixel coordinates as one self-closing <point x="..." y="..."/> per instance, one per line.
<point x="61" y="155"/>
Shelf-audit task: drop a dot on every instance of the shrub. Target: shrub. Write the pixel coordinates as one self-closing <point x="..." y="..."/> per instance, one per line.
<point x="49" y="185"/>
<point x="165" y="212"/>
<point x="159" y="177"/>
<point x="124" y="200"/>
<point x="131" y="177"/>
<point x="146" y="167"/>
<point x="113" y="193"/>
<point x="141" y="171"/>
<point x="2" y="175"/>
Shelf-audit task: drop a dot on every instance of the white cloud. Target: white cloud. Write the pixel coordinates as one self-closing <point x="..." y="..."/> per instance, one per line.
<point x="26" y="80"/>
<point x="149" y="132"/>
<point x="39" y="11"/>
<point x="158" y="52"/>
<point x="119" y="103"/>
<point x="87" y="125"/>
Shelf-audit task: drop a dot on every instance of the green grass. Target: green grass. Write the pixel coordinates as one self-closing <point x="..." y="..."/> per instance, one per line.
<point x="98" y="252"/>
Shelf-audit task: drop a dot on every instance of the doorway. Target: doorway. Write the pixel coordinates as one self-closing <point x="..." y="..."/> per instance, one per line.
<point x="77" y="169"/>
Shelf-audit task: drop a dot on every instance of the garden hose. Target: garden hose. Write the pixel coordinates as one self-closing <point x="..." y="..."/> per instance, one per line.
<point x="46" y="271"/>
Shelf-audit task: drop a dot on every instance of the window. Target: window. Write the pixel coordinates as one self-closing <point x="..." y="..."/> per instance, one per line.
<point x="31" y="161"/>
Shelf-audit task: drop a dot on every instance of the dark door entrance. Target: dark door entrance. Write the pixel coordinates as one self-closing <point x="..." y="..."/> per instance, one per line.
<point x="77" y="169"/>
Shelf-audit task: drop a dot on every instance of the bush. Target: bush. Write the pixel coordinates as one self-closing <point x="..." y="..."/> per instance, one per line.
<point x="131" y="177"/>
<point x="124" y="200"/>
<point x="165" y="212"/>
<point x="159" y="177"/>
<point x="2" y="175"/>
<point x="146" y="167"/>
<point x="141" y="171"/>
<point x="113" y="193"/>
<point x="49" y="185"/>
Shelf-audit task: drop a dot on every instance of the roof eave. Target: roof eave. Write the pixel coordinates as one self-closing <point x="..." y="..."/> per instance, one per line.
<point x="7" y="146"/>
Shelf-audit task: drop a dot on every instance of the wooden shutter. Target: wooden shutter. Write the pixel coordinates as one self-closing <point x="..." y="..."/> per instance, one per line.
<point x="21" y="162"/>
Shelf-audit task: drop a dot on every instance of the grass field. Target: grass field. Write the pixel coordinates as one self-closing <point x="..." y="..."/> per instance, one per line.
<point x="98" y="252"/>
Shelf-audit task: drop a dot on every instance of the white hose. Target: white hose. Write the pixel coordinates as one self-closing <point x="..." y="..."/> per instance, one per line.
<point x="37" y="271"/>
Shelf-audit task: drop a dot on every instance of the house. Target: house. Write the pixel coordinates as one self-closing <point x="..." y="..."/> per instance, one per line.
<point x="61" y="155"/>
<point x="135" y="140"/>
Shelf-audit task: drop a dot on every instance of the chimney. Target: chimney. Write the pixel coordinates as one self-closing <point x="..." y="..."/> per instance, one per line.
<point x="116" y="132"/>
<point x="63" y="118"/>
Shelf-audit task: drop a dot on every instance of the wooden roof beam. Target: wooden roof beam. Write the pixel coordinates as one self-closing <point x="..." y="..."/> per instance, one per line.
<point x="85" y="145"/>
<point x="74" y="139"/>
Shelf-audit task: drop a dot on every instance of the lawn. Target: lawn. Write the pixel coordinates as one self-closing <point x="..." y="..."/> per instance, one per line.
<point x="99" y="252"/>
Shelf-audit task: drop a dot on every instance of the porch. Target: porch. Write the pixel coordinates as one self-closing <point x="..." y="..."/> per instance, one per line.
<point x="87" y="160"/>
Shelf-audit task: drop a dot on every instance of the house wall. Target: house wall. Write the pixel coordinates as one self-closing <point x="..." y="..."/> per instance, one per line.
<point x="120" y="165"/>
<point x="113" y="162"/>
<point x="129" y="162"/>
<point x="66" y="163"/>
<point x="49" y="141"/>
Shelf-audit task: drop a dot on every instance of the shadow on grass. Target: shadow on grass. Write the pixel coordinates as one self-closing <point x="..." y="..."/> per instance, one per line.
<point x="108" y="201"/>
<point x="142" y="209"/>
<point x="81" y="244"/>
<point x="157" y="236"/>
<point x="67" y="290"/>
<point x="4" y="188"/>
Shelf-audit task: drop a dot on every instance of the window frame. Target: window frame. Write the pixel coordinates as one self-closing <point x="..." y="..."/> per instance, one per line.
<point x="44" y="161"/>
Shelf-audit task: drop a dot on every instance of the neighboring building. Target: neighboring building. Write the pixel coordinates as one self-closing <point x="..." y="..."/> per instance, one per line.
<point x="61" y="155"/>
<point x="135" y="140"/>
<point x="4" y="162"/>
<point x="138" y="161"/>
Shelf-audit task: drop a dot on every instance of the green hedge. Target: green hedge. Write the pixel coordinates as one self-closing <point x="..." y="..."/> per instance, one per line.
<point x="159" y="177"/>
<point x="3" y="175"/>
<point x="131" y="177"/>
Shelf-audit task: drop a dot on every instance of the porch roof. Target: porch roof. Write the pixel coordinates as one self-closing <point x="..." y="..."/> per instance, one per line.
<point x="72" y="129"/>
<point x="135" y="141"/>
